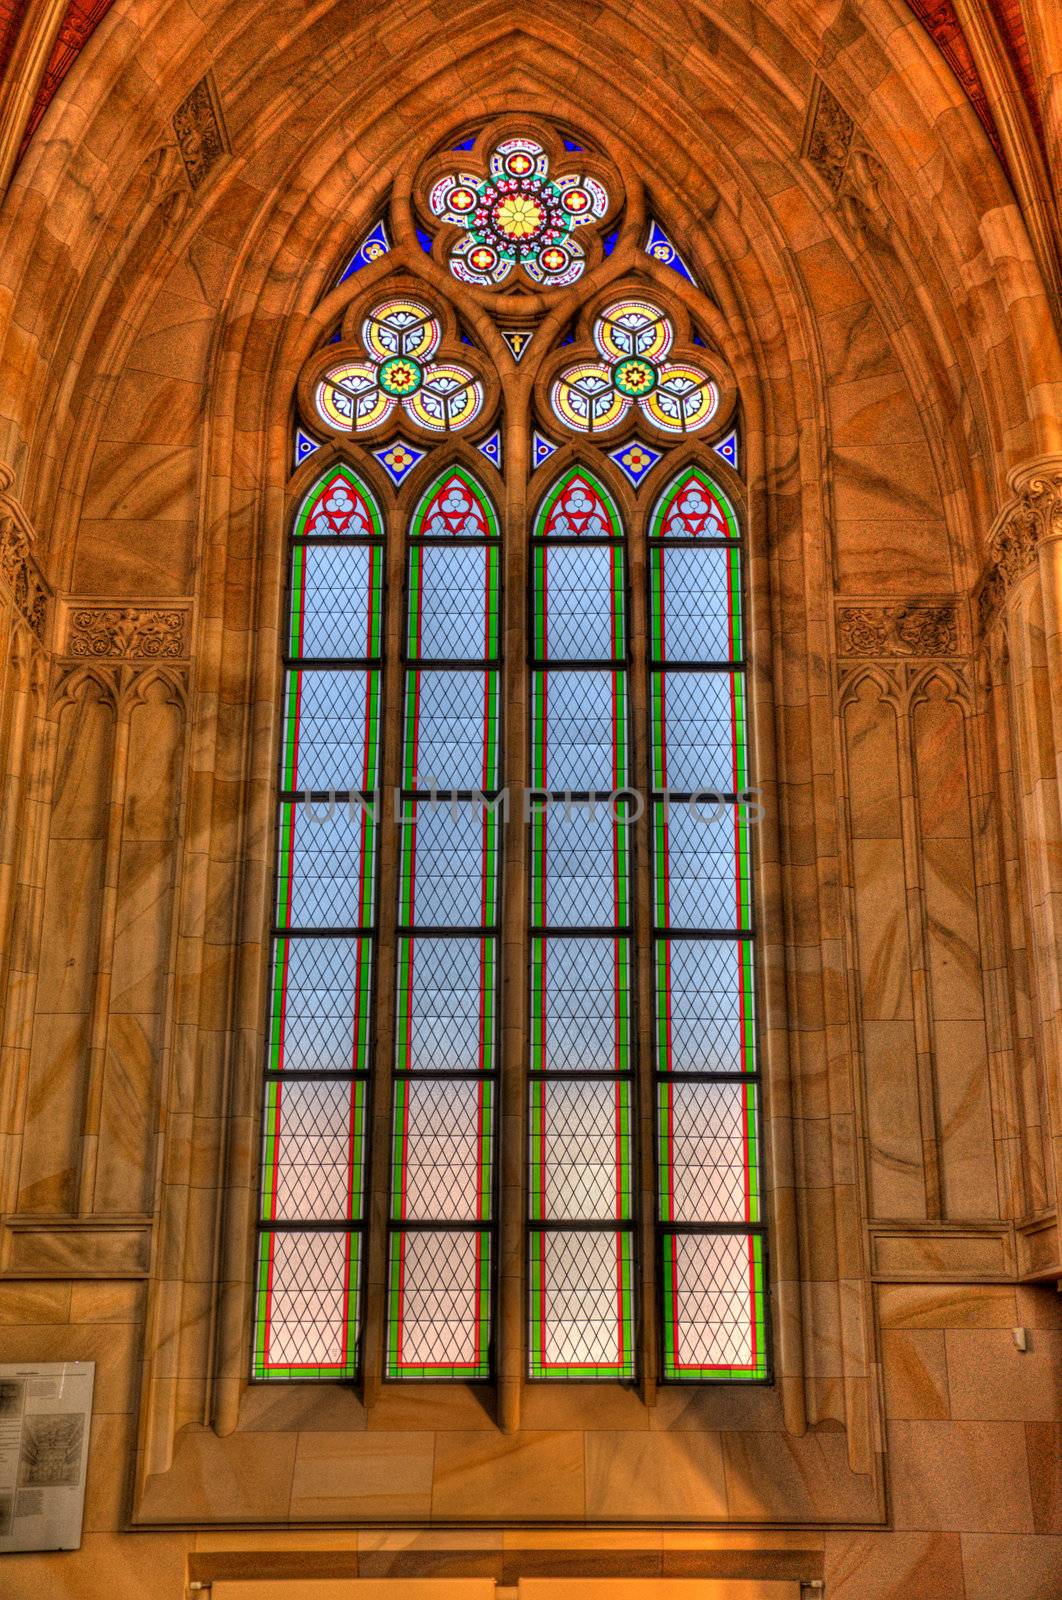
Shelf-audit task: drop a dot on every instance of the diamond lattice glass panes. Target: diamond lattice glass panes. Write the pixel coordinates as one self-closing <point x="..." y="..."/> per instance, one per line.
<point x="581" y="1150"/>
<point x="442" y="1156"/>
<point x="312" y="1201"/>
<point x="708" y="1163"/>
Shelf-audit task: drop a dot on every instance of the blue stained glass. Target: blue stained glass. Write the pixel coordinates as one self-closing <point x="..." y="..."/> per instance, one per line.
<point x="424" y="240"/>
<point x="374" y="245"/>
<point x="305" y="446"/>
<point x="541" y="448"/>
<point x="728" y="449"/>
<point x="568" y="145"/>
<point x="466" y="144"/>
<point x="398" y="460"/>
<point x="609" y="244"/>
<point x="659" y="246"/>
<point x="634" y="460"/>
<point x="491" y="447"/>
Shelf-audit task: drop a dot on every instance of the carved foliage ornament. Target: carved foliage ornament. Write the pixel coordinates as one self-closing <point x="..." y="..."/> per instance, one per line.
<point x="200" y="131"/>
<point x="834" y="146"/>
<point x="1031" y="518"/>
<point x="127" y="631"/>
<point x="906" y="628"/>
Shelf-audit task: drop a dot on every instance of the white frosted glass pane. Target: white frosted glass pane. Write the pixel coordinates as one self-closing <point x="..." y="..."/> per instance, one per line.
<point x="581" y="1299"/>
<point x="441" y="1281"/>
<point x="319" y="984"/>
<point x="453" y="747"/>
<point x="445" y="1005"/>
<point x="454" y="864"/>
<point x="331" y="745"/>
<point x="577" y="1005"/>
<point x="700" y="718"/>
<point x="704" y="1130"/>
<point x="308" y="1297"/>
<point x="579" y="719"/>
<point x="451" y="623"/>
<point x="713" y="1300"/>
<point x="335" y="608"/>
<point x="579" y="1151"/>
<point x="313" y="1150"/>
<point x="576" y="607"/>
<point x="702" y="863"/>
<point x="585" y="851"/>
<point x="325" y="876"/>
<point x="441" y="1128"/>
<point x="704" y="1023"/>
<point x="696" y="605"/>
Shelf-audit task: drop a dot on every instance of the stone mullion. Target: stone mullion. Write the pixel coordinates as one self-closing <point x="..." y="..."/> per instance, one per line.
<point x="642" y="1022"/>
<point x="18" y="743"/>
<point x="510" y="1334"/>
<point x="377" y="1208"/>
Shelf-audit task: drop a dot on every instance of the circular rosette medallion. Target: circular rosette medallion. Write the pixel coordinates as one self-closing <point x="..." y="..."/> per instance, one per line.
<point x="450" y="397"/>
<point x="584" y="398"/>
<point x="633" y="328"/>
<point x="519" y="157"/>
<point x="453" y="198"/>
<point x="684" y="399"/>
<point x="471" y="261"/>
<point x="556" y="264"/>
<point x="401" y="328"/>
<point x="583" y="198"/>
<point x="634" y="377"/>
<point x="400" y="376"/>
<point x="349" y="397"/>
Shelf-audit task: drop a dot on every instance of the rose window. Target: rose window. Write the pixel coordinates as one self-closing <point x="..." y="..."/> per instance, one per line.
<point x="401" y="338"/>
<point x="634" y="340"/>
<point x="518" y="216"/>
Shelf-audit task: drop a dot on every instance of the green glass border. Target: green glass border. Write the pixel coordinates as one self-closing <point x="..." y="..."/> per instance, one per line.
<point x="479" y="1367"/>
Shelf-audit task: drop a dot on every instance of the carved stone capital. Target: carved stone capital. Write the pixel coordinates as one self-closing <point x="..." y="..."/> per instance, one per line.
<point x="1032" y="517"/>
<point x="880" y="628"/>
<point x="146" y="632"/>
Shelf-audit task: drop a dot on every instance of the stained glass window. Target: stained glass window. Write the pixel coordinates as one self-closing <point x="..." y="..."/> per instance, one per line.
<point x="581" y="1237"/>
<point x="710" y="1218"/>
<point x="312" y="1199"/>
<point x="631" y="1097"/>
<point x="445" y="1070"/>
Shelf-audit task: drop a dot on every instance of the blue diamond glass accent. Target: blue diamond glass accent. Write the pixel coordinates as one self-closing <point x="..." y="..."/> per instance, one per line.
<point x="305" y="445"/>
<point x="541" y="448"/>
<point x="634" y="460"/>
<point x="659" y="246"/>
<point x="399" y="459"/>
<point x="728" y="449"/>
<point x="491" y="447"/>
<point x="372" y="247"/>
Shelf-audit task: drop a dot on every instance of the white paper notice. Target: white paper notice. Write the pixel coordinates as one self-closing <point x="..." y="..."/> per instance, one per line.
<point x="45" y="1412"/>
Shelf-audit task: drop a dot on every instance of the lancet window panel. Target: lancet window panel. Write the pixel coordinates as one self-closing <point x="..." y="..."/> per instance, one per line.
<point x="314" y="1152"/>
<point x="444" y="1108"/>
<point x="580" y="1208"/>
<point x="709" y="1210"/>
